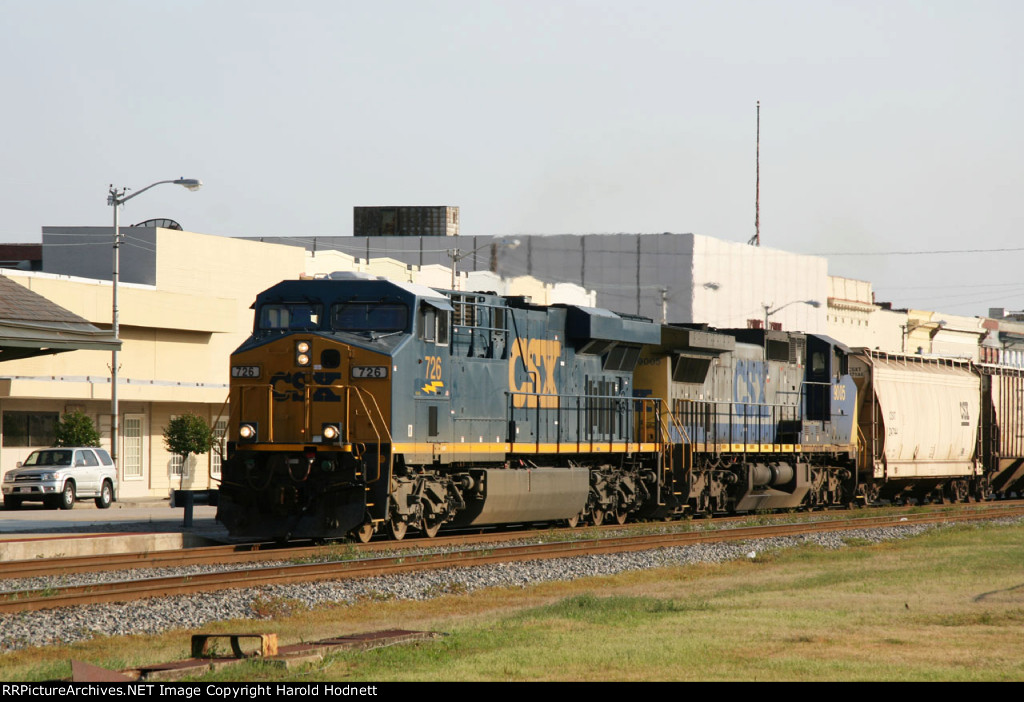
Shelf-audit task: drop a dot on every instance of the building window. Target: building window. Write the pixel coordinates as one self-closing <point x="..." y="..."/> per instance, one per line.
<point x="132" y="457"/>
<point x="176" y="466"/>
<point x="30" y="428"/>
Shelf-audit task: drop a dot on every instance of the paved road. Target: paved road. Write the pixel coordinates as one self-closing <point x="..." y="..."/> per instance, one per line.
<point x="139" y="515"/>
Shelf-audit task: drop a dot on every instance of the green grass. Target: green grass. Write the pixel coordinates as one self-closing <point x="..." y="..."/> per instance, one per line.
<point x="946" y="605"/>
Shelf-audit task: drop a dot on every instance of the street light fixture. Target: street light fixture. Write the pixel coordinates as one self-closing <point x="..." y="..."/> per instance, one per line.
<point x="456" y="256"/>
<point x="768" y="311"/>
<point x="116" y="198"/>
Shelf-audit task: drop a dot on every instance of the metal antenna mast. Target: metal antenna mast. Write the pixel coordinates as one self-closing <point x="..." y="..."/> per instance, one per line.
<point x="756" y="239"/>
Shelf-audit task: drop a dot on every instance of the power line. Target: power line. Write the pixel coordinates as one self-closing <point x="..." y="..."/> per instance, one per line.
<point x="915" y="253"/>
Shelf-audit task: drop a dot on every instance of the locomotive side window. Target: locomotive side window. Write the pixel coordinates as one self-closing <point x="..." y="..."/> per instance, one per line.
<point x="444" y="321"/>
<point x="369" y="316"/>
<point x="290" y="316"/>
<point x="435" y="324"/>
<point x="818" y="362"/>
<point x="428" y="323"/>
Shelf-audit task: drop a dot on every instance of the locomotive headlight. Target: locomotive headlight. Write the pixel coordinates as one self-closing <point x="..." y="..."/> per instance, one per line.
<point x="302" y="353"/>
<point x="247" y="432"/>
<point x="330" y="432"/>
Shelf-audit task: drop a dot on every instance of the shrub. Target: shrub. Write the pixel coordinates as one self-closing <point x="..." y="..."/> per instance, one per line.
<point x="188" y="433"/>
<point x="76" y="429"/>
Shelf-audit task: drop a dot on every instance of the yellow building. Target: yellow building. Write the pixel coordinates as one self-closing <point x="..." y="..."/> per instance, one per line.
<point x="184" y="304"/>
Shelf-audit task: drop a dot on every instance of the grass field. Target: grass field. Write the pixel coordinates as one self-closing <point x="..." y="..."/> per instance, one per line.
<point x="947" y="605"/>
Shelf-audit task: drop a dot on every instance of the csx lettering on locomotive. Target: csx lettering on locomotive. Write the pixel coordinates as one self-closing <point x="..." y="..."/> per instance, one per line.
<point x="533" y="374"/>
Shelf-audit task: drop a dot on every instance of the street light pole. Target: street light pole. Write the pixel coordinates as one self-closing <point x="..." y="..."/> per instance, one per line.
<point x="456" y="256"/>
<point x="116" y="198"/>
<point x="768" y="312"/>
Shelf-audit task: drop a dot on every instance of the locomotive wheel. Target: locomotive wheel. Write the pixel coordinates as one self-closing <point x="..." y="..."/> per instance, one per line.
<point x="397" y="529"/>
<point x="573" y="522"/>
<point x="620" y="516"/>
<point x="430" y="528"/>
<point x="363" y="532"/>
<point x="597" y="517"/>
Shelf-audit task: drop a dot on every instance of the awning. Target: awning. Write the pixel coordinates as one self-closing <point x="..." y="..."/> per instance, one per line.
<point x="31" y="325"/>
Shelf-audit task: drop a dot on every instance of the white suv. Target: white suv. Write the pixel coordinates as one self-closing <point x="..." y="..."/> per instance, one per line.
<point x="59" y="476"/>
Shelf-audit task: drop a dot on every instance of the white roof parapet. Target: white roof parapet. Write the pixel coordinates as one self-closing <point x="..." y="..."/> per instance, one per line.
<point x="853" y="305"/>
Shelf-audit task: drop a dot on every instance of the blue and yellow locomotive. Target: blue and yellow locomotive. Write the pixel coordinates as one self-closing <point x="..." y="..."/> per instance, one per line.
<point x="362" y="405"/>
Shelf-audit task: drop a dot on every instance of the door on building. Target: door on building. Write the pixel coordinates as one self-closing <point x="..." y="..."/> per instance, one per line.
<point x="131" y="454"/>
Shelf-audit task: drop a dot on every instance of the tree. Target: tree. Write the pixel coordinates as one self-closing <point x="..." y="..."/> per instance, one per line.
<point x="76" y="429"/>
<point x="188" y="433"/>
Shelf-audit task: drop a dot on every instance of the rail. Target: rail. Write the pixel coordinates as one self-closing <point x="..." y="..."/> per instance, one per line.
<point x="128" y="590"/>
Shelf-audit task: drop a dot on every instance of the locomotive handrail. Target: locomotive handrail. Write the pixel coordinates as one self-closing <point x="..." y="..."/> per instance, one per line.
<point x="360" y="395"/>
<point x="219" y="442"/>
<point x="617" y="412"/>
<point x="391" y="455"/>
<point x="685" y="442"/>
<point x="724" y="412"/>
<point x="862" y="449"/>
<point x="270" y="404"/>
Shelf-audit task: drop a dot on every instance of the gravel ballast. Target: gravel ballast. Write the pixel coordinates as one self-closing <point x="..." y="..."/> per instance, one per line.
<point x="69" y="625"/>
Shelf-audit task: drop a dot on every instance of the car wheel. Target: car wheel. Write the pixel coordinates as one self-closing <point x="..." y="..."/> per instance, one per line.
<point x="12" y="502"/>
<point x="106" y="495"/>
<point x="67" y="497"/>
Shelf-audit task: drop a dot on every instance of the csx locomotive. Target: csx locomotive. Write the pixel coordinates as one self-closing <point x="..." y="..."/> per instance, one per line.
<point x="362" y="405"/>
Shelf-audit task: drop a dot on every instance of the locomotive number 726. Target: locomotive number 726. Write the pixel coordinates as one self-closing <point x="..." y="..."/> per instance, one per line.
<point x="433" y="367"/>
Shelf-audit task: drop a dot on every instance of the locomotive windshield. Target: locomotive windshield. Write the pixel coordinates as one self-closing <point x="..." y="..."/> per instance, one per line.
<point x="290" y="316"/>
<point x="369" y="317"/>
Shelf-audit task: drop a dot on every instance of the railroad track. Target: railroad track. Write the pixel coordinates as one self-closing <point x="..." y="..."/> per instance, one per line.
<point x="384" y="565"/>
<point x="258" y="552"/>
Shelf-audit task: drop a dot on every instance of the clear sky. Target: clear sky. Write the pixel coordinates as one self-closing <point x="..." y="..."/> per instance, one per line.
<point x="886" y="127"/>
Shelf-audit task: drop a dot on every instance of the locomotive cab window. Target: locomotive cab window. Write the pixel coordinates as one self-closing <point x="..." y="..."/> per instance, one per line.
<point x="434" y="324"/>
<point x="369" y="317"/>
<point x="290" y="316"/>
<point x="818" y="362"/>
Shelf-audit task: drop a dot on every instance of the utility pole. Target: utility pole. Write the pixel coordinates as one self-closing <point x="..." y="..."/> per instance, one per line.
<point x="756" y="239"/>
